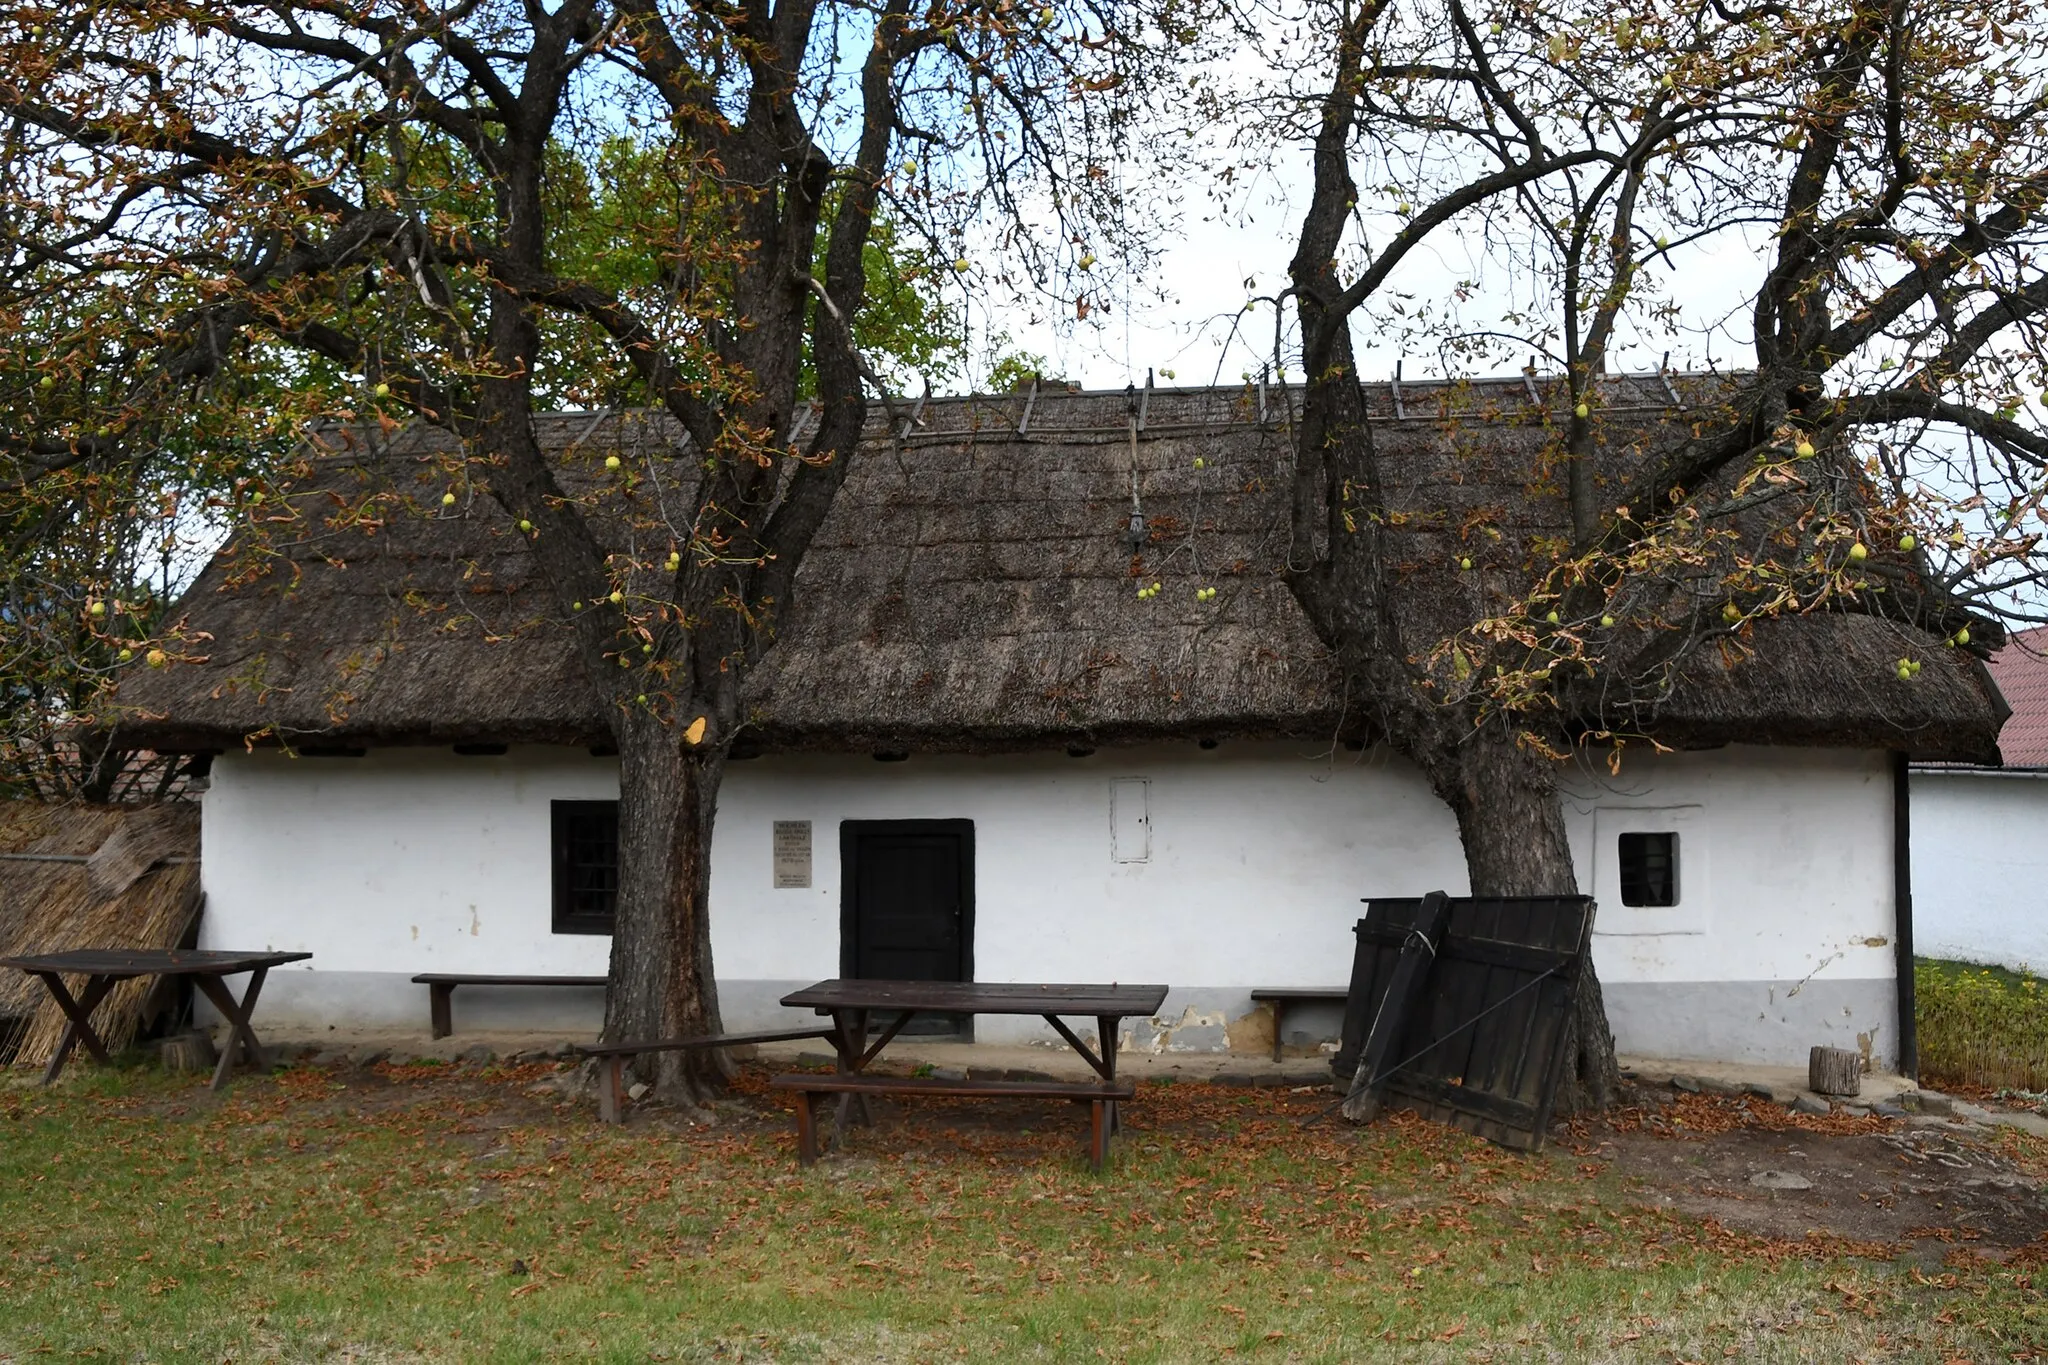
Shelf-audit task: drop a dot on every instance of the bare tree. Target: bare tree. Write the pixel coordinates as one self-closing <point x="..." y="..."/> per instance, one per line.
<point x="377" y="193"/>
<point x="1882" y="159"/>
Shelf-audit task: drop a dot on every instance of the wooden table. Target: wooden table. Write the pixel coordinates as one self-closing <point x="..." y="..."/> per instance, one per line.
<point x="851" y="1001"/>
<point x="103" y="968"/>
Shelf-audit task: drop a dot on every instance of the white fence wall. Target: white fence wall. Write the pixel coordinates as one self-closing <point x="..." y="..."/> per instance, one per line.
<point x="1980" y="867"/>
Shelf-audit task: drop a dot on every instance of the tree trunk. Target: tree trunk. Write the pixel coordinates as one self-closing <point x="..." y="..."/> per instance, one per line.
<point x="1381" y="624"/>
<point x="661" y="974"/>
<point x="1504" y="794"/>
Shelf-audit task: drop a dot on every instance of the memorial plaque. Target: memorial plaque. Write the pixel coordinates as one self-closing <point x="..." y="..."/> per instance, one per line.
<point x="792" y="854"/>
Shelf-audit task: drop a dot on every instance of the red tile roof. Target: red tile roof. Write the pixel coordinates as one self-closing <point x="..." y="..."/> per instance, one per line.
<point x="2021" y="671"/>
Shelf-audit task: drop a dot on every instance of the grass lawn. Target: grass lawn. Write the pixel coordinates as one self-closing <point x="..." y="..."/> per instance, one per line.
<point x="430" y="1213"/>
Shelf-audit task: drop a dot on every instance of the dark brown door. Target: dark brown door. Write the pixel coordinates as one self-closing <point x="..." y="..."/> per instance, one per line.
<point x="907" y="903"/>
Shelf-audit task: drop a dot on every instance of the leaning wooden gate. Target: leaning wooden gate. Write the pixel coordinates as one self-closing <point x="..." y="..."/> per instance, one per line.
<point x="1461" y="1005"/>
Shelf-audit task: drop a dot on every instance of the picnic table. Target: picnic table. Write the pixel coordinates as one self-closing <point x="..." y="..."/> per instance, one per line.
<point x="852" y="1002"/>
<point x="104" y="968"/>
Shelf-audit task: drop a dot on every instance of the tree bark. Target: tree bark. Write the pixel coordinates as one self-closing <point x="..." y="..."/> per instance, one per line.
<point x="1382" y="624"/>
<point x="662" y="984"/>
<point x="1504" y="794"/>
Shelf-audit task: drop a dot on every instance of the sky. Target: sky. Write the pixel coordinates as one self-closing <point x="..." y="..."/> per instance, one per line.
<point x="1185" y="313"/>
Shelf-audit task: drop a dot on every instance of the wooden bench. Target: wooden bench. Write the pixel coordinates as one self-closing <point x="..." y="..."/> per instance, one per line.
<point x="1099" y="1096"/>
<point x="441" y="986"/>
<point x="1284" y="997"/>
<point x="611" y="1081"/>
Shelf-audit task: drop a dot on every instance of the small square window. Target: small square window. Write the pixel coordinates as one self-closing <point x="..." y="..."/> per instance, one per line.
<point x="586" y="865"/>
<point x="1649" y="869"/>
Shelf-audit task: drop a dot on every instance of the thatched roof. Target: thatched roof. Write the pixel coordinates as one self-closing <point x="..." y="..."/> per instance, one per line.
<point x="89" y="877"/>
<point x="972" y="589"/>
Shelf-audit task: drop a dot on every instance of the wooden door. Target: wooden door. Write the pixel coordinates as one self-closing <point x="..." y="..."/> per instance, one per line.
<point x="907" y="903"/>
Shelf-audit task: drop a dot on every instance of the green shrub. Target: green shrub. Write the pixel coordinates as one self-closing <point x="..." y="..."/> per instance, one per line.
<point x="1981" y="1025"/>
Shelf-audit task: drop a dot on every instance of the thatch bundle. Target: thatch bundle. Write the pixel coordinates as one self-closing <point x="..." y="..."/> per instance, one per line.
<point x="90" y="877"/>
<point x="973" y="588"/>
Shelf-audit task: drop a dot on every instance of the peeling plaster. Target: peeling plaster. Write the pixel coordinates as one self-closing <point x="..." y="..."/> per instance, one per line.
<point x="1252" y="1032"/>
<point x="1194" y="1031"/>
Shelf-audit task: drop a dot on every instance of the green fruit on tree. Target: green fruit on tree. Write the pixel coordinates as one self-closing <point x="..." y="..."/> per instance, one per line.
<point x="1857" y="553"/>
<point x="1731" y="613"/>
<point x="1464" y="563"/>
<point x="156" y="658"/>
<point x="962" y="266"/>
<point x="382" y="390"/>
<point x="1087" y="262"/>
<point x="1552" y="618"/>
<point x="1905" y="672"/>
<point x="1663" y="242"/>
<point x="1804" y="450"/>
<point x="1607" y="620"/>
<point x="97" y="609"/>
<point x="642" y="699"/>
<point x="1908" y="541"/>
<point x="1963" y="636"/>
<point x="525" y="525"/>
<point x="617" y="597"/>
<point x="1582" y="412"/>
<point x="447" y="499"/>
<point x="126" y="655"/>
<point x="48" y="381"/>
<point x="611" y="462"/>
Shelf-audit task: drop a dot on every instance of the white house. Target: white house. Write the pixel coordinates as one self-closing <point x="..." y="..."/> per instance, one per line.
<point x="975" y="752"/>
<point x="1980" y="834"/>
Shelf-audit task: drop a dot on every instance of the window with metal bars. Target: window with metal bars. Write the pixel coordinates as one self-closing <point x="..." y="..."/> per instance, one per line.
<point x="1649" y="870"/>
<point x="586" y="865"/>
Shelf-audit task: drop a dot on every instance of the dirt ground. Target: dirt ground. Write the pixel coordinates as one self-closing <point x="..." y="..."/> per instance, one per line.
<point x="1924" y="1186"/>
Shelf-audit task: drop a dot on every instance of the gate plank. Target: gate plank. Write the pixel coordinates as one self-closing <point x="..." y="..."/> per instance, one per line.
<point x="1396" y="1004"/>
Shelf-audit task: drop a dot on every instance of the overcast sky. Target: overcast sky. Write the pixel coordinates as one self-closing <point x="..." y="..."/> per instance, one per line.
<point x="1187" y="313"/>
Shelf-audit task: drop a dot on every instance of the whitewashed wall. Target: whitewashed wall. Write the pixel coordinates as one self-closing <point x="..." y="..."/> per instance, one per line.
<point x="1980" y="867"/>
<point x="420" y="860"/>
<point x="1783" y="937"/>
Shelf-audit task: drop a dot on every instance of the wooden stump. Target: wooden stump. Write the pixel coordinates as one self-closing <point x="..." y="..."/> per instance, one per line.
<point x="188" y="1052"/>
<point x="1834" y="1071"/>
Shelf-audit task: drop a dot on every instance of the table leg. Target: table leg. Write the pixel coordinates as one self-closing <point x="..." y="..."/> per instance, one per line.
<point x="441" y="1007"/>
<point x="806" y="1129"/>
<point x="1279" y="1018"/>
<point x="78" y="1014"/>
<point x="611" y="1089"/>
<point x="1106" y="1038"/>
<point x="240" y="1035"/>
<point x="850" y="1041"/>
